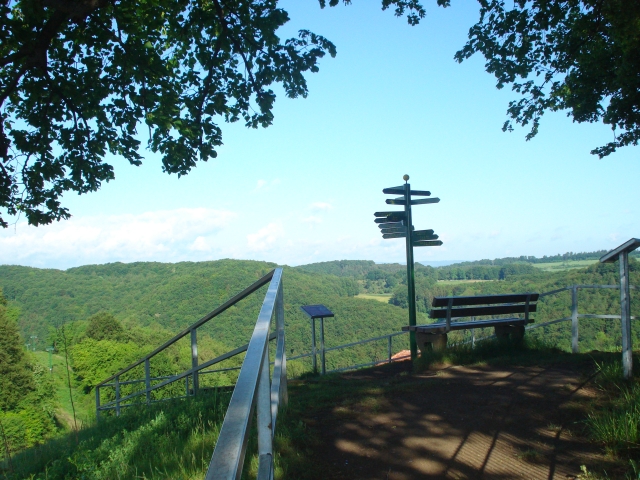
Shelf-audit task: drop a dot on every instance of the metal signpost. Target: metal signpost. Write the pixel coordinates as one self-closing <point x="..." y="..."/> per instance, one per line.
<point x="622" y="254"/>
<point x="399" y="224"/>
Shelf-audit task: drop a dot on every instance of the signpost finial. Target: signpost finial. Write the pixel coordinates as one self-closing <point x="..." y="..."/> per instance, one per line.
<point x="405" y="177"/>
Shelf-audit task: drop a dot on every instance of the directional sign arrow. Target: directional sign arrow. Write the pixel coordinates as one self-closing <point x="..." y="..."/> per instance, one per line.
<point x="394" y="190"/>
<point x="391" y="225"/>
<point x="393" y="230"/>
<point x="400" y="191"/>
<point x="389" y="219"/>
<point x="430" y="243"/>
<point x="422" y="201"/>
<point x="386" y="214"/>
<point x="394" y="235"/>
<point x="397" y="201"/>
<point x="423" y="235"/>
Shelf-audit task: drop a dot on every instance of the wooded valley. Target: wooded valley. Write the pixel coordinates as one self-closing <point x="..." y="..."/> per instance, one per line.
<point x="101" y="318"/>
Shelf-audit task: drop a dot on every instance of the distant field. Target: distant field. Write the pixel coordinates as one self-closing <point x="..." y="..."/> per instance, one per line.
<point x="458" y="282"/>
<point x="381" y="297"/>
<point x="561" y="266"/>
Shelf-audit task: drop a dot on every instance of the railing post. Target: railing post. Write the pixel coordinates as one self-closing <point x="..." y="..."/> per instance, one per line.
<point x="389" y="348"/>
<point x="625" y="315"/>
<point x="117" y="395"/>
<point x="473" y="334"/>
<point x="314" y="360"/>
<point x="194" y="359"/>
<point x="147" y="379"/>
<point x="97" y="403"/>
<point x="265" y="431"/>
<point x="574" y="319"/>
<point x="322" y="352"/>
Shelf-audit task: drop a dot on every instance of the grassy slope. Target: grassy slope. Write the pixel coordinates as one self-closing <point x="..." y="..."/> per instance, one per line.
<point x="64" y="413"/>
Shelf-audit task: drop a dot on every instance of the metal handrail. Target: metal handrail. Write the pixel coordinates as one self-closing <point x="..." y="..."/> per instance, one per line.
<point x="529" y="327"/>
<point x="575" y="316"/>
<point x="229" y="303"/>
<point x="254" y="390"/>
<point x="193" y="372"/>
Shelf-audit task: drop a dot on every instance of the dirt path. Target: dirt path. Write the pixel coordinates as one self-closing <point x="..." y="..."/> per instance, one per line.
<point x="463" y="422"/>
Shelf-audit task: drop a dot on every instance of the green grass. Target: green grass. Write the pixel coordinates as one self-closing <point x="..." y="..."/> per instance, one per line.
<point x="175" y="440"/>
<point x="529" y="351"/>
<point x="381" y="297"/>
<point x="563" y="266"/>
<point x="85" y="408"/>
<point x="169" y="440"/>
<point x="616" y="423"/>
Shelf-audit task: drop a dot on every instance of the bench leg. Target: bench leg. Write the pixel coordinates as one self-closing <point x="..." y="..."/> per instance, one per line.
<point x="515" y="333"/>
<point x="427" y="342"/>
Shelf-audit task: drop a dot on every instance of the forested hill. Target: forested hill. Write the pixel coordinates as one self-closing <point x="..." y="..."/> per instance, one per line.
<point x="173" y="296"/>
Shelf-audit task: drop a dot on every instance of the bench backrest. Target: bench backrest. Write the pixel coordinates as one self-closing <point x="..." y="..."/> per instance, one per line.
<point x="493" y="305"/>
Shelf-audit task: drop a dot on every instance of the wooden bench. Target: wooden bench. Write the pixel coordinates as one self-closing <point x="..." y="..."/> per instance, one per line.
<point x="434" y="335"/>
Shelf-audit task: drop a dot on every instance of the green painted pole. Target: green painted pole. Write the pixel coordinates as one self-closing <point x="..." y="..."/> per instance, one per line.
<point x="411" y="286"/>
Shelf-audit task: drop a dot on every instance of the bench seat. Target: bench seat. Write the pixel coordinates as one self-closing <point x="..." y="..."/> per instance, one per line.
<point x="441" y="327"/>
<point x="434" y="335"/>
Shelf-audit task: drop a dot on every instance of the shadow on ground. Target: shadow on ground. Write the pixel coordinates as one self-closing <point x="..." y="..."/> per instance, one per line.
<point x="494" y="422"/>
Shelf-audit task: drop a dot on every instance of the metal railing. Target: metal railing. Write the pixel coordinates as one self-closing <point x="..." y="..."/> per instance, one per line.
<point x="191" y="376"/>
<point x="322" y="351"/>
<point x="254" y="390"/>
<point x="574" y="318"/>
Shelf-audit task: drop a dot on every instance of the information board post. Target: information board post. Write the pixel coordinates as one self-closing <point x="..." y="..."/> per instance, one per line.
<point x="321" y="312"/>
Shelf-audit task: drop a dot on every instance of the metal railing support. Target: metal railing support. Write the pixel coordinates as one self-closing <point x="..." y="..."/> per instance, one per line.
<point x="574" y="319"/>
<point x="194" y="359"/>
<point x="265" y="431"/>
<point x="147" y="379"/>
<point x="625" y="315"/>
<point x="389" y="348"/>
<point x="117" y="395"/>
<point x="98" y="403"/>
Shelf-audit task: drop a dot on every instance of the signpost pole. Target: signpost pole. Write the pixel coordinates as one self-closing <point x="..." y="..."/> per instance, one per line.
<point x="399" y="224"/>
<point x="411" y="286"/>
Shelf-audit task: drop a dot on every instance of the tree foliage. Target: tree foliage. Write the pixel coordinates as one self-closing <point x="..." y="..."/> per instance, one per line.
<point x="575" y="55"/>
<point x="104" y="326"/>
<point x="79" y="78"/>
<point x="16" y="380"/>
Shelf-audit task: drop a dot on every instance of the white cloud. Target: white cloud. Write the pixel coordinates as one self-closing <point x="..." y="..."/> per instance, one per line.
<point x="200" y="245"/>
<point x="266" y="186"/>
<point x="265" y="238"/>
<point x="168" y="235"/>
<point x="321" y="206"/>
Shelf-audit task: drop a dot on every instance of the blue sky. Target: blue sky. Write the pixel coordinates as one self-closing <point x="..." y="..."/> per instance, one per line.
<point x="393" y="101"/>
